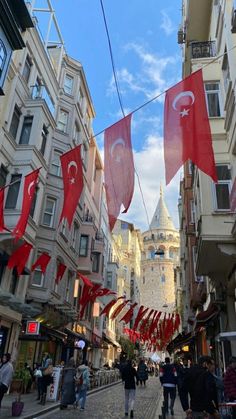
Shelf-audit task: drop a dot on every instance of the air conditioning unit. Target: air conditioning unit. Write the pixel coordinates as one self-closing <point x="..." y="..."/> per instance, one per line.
<point x="181" y="36"/>
<point x="233" y="21"/>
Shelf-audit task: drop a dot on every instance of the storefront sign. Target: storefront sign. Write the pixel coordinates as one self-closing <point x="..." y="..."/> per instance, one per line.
<point x="32" y="328"/>
<point x="79" y="329"/>
<point x="53" y="389"/>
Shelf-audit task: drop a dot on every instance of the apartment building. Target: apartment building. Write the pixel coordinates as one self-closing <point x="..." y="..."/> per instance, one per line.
<point x="47" y="110"/>
<point x="208" y="39"/>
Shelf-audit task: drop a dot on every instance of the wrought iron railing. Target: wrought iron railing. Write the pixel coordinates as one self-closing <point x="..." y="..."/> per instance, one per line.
<point x="203" y="49"/>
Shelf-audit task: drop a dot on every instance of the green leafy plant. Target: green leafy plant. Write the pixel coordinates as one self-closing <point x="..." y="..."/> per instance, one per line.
<point x="128" y="347"/>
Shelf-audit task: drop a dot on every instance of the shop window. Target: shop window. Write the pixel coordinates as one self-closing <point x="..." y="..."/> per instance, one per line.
<point x="13" y="192"/>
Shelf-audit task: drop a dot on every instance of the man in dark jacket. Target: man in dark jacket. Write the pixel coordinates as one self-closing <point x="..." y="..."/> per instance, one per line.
<point x="168" y="379"/>
<point x="129" y="376"/>
<point x="200" y="385"/>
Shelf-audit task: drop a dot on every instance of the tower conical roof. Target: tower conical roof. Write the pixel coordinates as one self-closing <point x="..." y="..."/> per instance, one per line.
<point x="161" y="218"/>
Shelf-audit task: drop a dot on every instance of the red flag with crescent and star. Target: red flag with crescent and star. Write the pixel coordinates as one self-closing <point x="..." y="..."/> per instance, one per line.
<point x="118" y="168"/>
<point x="187" y="133"/>
<point x="28" y="196"/>
<point x="42" y="262"/>
<point x="19" y="257"/>
<point x="60" y="272"/>
<point x="72" y="172"/>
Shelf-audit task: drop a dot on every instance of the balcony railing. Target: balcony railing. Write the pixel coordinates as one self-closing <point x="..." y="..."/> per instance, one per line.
<point x="203" y="49"/>
<point x="41" y="92"/>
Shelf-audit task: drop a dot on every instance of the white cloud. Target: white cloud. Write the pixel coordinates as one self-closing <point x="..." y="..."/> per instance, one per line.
<point x="149" y="163"/>
<point x="167" y="24"/>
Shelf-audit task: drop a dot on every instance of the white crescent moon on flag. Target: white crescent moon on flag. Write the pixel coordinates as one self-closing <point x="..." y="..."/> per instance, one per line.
<point x="72" y="164"/>
<point x="118" y="141"/>
<point x="186" y="93"/>
<point x="30" y="186"/>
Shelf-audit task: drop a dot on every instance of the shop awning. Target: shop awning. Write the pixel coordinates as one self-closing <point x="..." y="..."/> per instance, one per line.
<point x="181" y="339"/>
<point x="207" y="315"/>
<point x="226" y="336"/>
<point x="110" y="340"/>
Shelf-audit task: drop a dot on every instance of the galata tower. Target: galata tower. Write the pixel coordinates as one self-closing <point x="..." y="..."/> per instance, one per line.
<point x="159" y="259"/>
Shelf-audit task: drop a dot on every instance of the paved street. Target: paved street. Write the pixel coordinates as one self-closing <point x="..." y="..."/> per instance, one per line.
<point x="110" y="404"/>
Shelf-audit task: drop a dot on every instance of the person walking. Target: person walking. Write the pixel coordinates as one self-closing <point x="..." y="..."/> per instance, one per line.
<point x="47" y="377"/>
<point x="82" y="381"/>
<point x="199" y="383"/>
<point x="6" y="374"/>
<point x="129" y="376"/>
<point x="182" y="370"/>
<point x="168" y="379"/>
<point x="68" y="384"/>
<point x="230" y="382"/>
<point x="142" y="372"/>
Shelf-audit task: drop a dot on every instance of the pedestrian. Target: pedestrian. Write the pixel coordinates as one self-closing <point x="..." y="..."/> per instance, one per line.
<point x="47" y="377"/>
<point x="168" y="379"/>
<point x="6" y="374"/>
<point x="230" y="382"/>
<point x="142" y="372"/>
<point x="200" y="385"/>
<point x="68" y="384"/>
<point x="129" y="376"/>
<point x="37" y="375"/>
<point x="82" y="382"/>
<point x="182" y="370"/>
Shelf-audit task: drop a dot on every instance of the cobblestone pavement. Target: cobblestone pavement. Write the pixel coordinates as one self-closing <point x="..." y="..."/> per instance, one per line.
<point x="109" y="404"/>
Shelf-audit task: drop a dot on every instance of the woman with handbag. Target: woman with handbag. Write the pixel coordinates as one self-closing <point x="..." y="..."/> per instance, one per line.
<point x="47" y="377"/>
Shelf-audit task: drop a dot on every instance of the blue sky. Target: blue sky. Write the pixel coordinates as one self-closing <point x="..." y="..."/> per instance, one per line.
<point x="148" y="61"/>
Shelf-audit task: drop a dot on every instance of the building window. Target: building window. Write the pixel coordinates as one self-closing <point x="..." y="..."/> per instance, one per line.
<point x="26" y="130"/>
<point x="109" y="280"/>
<point x="14" y="281"/>
<point x="190" y="167"/>
<point x="44" y="135"/>
<point x="62" y="120"/>
<point x="56" y="164"/>
<point x="33" y="205"/>
<point x="225" y="71"/>
<point x="27" y="69"/>
<point x="222" y="187"/>
<point x="38" y="276"/>
<point x="213" y="99"/>
<point x="68" y="285"/>
<point x="75" y="237"/>
<point x="3" y="176"/>
<point x="13" y="192"/>
<point x="192" y="211"/>
<point x="96" y="262"/>
<point x="64" y="229"/>
<point x="3" y="56"/>
<point x="83" y="248"/>
<point x="68" y="84"/>
<point x="163" y="278"/>
<point x="15" y="122"/>
<point x="49" y="212"/>
<point x="77" y="134"/>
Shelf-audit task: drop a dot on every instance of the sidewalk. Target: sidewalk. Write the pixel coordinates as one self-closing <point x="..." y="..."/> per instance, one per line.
<point x="32" y="410"/>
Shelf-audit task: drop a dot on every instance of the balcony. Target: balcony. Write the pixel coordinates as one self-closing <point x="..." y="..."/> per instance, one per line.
<point x="204" y="49"/>
<point x="40" y="91"/>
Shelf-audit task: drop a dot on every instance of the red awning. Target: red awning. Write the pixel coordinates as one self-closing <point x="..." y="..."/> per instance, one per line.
<point x="204" y="316"/>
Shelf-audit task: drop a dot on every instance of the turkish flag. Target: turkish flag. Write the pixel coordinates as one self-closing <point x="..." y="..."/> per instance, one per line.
<point x="72" y="172"/>
<point x="118" y="168"/>
<point x="29" y="191"/>
<point x="109" y="306"/>
<point x="141" y="313"/>
<point x="60" y="272"/>
<point x="187" y="133"/>
<point x="42" y="261"/>
<point x="19" y="258"/>
<point x="85" y="280"/>
<point x="127" y="317"/>
<point x="118" y="309"/>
